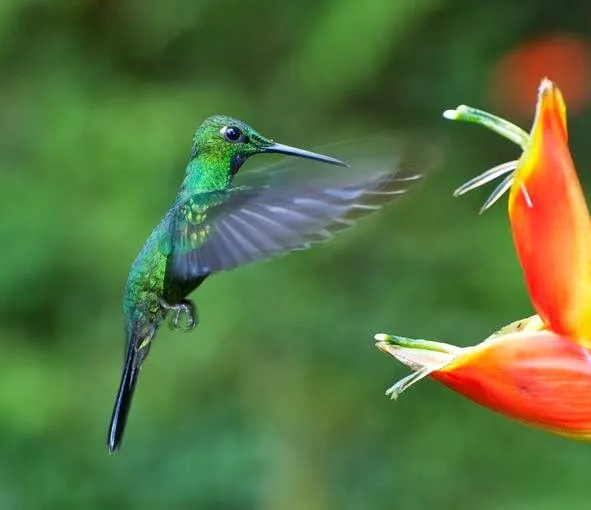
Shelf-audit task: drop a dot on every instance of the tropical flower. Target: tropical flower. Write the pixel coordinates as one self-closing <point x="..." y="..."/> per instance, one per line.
<point x="536" y="370"/>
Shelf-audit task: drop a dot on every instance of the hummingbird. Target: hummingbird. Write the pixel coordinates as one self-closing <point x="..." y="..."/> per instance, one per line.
<point x="219" y="221"/>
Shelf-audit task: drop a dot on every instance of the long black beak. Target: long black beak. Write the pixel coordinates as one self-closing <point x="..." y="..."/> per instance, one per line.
<point x="301" y="153"/>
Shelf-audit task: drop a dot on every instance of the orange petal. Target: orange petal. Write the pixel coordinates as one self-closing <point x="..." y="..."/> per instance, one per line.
<point x="539" y="378"/>
<point x="551" y="225"/>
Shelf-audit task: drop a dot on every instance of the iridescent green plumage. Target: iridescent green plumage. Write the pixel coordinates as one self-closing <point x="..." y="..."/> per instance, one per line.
<point x="218" y="222"/>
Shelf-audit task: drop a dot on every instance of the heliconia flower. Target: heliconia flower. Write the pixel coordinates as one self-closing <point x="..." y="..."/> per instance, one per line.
<point x="537" y="370"/>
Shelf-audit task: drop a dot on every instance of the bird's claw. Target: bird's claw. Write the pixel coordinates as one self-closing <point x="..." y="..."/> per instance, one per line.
<point x="183" y="315"/>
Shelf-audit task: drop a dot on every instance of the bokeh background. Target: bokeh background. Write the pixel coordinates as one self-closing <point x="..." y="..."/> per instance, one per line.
<point x="276" y="401"/>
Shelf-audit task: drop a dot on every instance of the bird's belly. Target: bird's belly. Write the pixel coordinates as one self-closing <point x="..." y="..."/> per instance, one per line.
<point x="176" y="290"/>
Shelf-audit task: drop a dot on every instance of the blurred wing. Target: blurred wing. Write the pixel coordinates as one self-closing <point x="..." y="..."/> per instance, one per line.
<point x="279" y="210"/>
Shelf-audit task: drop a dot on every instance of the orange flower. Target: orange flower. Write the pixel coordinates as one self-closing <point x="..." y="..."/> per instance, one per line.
<point x="537" y="370"/>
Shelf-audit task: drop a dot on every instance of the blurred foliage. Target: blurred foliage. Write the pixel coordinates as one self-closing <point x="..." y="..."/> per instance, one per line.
<point x="277" y="400"/>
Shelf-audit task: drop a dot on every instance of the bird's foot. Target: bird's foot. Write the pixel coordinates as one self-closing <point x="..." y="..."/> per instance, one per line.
<point x="183" y="316"/>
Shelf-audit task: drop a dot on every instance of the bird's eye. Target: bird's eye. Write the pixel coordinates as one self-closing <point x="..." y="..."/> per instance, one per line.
<point x="232" y="134"/>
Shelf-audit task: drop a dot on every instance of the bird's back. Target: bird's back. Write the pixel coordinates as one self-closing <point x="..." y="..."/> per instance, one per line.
<point x="147" y="273"/>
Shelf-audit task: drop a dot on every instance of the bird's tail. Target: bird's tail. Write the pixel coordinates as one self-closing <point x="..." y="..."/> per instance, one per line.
<point x="124" y="398"/>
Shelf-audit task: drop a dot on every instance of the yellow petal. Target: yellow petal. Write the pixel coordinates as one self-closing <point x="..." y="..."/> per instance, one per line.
<point x="551" y="225"/>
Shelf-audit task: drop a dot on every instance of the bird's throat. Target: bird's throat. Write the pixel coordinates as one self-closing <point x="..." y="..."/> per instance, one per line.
<point x="204" y="175"/>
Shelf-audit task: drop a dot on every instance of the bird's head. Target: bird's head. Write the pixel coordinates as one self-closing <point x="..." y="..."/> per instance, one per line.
<point x="227" y="143"/>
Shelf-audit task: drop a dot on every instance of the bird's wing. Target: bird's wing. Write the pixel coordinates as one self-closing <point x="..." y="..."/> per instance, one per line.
<point x="271" y="212"/>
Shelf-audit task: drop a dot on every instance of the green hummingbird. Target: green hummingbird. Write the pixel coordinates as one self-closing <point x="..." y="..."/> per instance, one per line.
<point x="217" y="222"/>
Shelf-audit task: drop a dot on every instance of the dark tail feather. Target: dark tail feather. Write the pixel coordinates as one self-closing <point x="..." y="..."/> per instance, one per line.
<point x="123" y="401"/>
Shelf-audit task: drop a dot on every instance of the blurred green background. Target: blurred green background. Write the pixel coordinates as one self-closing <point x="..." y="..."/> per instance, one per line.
<point x="276" y="401"/>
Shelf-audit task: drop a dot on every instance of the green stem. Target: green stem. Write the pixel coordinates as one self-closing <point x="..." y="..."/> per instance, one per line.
<point x="411" y="343"/>
<point x="497" y="124"/>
